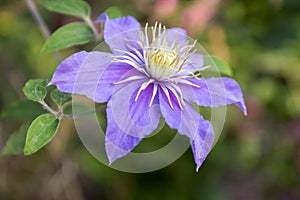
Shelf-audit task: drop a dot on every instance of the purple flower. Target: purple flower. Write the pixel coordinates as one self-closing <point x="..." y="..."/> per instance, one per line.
<point x="151" y="73"/>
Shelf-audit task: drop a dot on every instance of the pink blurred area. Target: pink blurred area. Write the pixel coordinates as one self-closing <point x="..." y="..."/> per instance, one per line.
<point x="164" y="8"/>
<point x="195" y="17"/>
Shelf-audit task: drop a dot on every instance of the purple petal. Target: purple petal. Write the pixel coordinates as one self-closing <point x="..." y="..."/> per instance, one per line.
<point x="196" y="61"/>
<point x="202" y="142"/>
<point x="102" y="17"/>
<point x="80" y="73"/>
<point x="190" y="123"/>
<point x="140" y="111"/>
<point x="118" y="31"/>
<point x="117" y="142"/>
<point x="134" y="120"/>
<point x="89" y="74"/>
<point x="137" y="119"/>
<point x="214" y="92"/>
<point x="113" y="73"/>
<point x="177" y="34"/>
<point x="66" y="72"/>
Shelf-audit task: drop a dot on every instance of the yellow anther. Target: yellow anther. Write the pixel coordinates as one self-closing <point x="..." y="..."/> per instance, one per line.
<point x="163" y="58"/>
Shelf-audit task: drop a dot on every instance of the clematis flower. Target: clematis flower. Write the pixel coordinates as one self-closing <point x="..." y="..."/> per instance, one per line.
<point x="150" y="73"/>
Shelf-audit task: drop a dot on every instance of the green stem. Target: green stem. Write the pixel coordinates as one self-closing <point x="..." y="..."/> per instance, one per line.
<point x="41" y="23"/>
<point x="60" y="115"/>
<point x="50" y="110"/>
<point x="90" y="23"/>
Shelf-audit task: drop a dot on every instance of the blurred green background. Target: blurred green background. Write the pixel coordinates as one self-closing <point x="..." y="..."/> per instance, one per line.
<point x="256" y="157"/>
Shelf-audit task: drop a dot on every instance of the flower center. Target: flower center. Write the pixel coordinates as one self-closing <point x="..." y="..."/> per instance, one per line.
<point x="162" y="58"/>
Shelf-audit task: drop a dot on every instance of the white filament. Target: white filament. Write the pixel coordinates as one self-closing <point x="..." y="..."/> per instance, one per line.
<point x="161" y="61"/>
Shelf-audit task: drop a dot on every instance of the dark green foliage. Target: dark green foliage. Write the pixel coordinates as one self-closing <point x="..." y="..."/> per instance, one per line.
<point x="60" y="98"/>
<point x="69" y="35"/>
<point x="16" y="142"/>
<point x="40" y="132"/>
<point x="22" y="110"/>
<point x="35" y="89"/>
<point x="77" y="8"/>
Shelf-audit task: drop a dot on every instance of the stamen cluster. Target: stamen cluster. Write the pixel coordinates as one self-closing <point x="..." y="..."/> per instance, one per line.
<point x="164" y="62"/>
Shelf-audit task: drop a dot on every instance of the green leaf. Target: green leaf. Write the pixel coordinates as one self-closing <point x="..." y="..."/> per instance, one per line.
<point x="22" y="110"/>
<point x="222" y="67"/>
<point x="69" y="35"/>
<point x="60" y="98"/>
<point x="15" y="143"/>
<point x="40" y="132"/>
<point x="35" y="89"/>
<point x="114" y="12"/>
<point x="75" y="8"/>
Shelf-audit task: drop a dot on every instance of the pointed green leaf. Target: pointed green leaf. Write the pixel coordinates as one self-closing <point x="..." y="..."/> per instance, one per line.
<point x="15" y="143"/>
<point x="69" y="35"/>
<point x="60" y="98"/>
<point x="114" y="12"/>
<point x="22" y="110"/>
<point x="40" y="132"/>
<point x="222" y="67"/>
<point x="75" y="8"/>
<point x="35" y="89"/>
